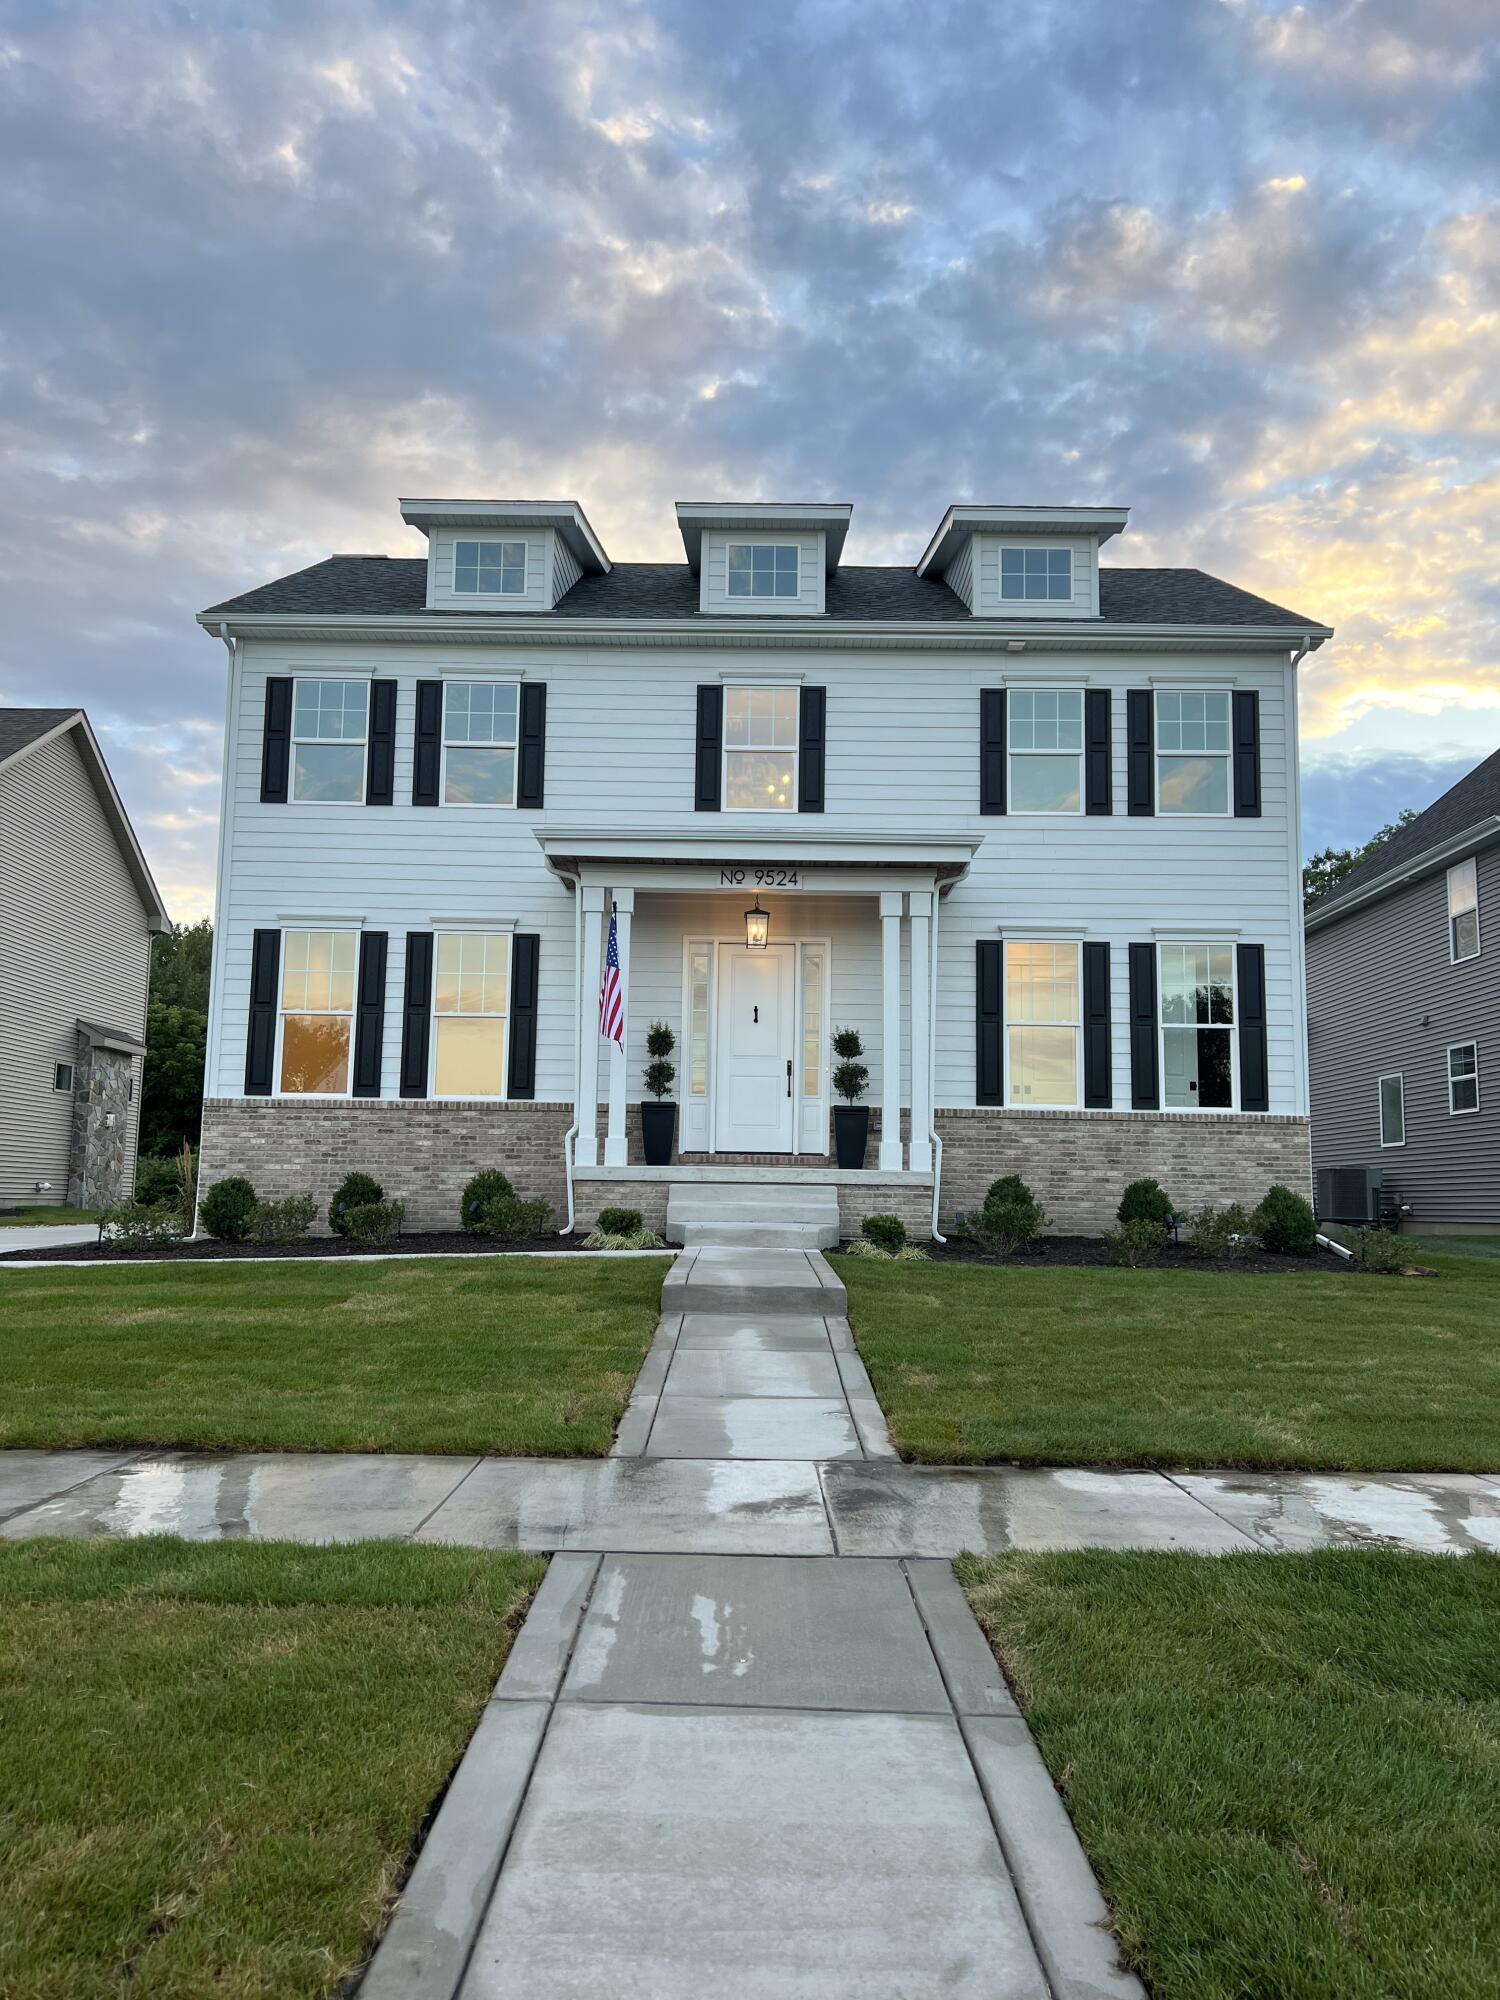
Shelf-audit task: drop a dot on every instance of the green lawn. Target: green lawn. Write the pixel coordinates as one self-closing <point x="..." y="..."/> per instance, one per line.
<point x="512" y="1355"/>
<point x="1286" y="1769"/>
<point x="40" y="1218"/>
<point x="217" y="1756"/>
<point x="1115" y="1367"/>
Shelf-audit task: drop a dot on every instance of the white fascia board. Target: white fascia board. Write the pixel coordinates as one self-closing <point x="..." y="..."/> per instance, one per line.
<point x="780" y="517"/>
<point x="614" y="843"/>
<point x="964" y="519"/>
<point x="1428" y="862"/>
<point x="565" y="517"/>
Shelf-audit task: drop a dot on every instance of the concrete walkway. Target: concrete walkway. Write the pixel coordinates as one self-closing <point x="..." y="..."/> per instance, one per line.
<point x="47" y="1236"/>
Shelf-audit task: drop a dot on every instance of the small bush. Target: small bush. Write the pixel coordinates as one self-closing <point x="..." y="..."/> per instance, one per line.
<point x="373" y="1221"/>
<point x="157" y="1184"/>
<point x="1136" y="1243"/>
<point x="622" y="1239"/>
<point x="851" y="1076"/>
<point x="1217" y="1232"/>
<point x="660" y="1074"/>
<point x="1378" y="1250"/>
<point x="491" y="1185"/>
<point x="888" y="1231"/>
<point x="1284" y="1223"/>
<point x="1011" y="1218"/>
<point x="226" y="1209"/>
<point x="354" y="1191"/>
<point x="619" y="1221"/>
<point x="1146" y="1201"/>
<point x="288" y="1221"/>
<point x="511" y="1220"/>
<point x="909" y="1253"/>
<point x="140" y="1225"/>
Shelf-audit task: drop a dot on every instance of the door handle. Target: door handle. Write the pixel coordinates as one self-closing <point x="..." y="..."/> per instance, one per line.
<point x="788" y="1076"/>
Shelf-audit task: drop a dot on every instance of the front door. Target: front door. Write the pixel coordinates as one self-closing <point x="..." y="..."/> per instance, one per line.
<point x="753" y="1101"/>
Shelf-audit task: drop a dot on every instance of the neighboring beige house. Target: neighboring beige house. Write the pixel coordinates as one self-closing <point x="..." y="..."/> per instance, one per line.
<point x="77" y="910"/>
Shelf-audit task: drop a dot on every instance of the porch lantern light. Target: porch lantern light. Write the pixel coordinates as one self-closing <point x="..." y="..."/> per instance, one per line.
<point x="757" y="927"/>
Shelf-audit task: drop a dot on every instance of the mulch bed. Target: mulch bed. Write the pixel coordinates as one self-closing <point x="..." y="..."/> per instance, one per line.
<point x="209" y="1251"/>
<point x="1089" y="1250"/>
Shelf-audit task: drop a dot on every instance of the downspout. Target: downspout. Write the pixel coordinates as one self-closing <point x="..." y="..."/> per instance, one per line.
<point x="937" y="1144"/>
<point x="570" y="1137"/>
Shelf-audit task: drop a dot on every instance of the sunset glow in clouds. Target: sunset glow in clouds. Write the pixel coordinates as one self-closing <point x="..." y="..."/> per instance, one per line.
<point x="1234" y="264"/>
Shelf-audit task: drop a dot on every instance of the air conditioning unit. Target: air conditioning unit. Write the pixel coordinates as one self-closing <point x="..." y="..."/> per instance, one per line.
<point x="1348" y="1194"/>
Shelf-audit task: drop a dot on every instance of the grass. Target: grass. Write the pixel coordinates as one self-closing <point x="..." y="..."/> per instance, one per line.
<point x="1286" y="1769"/>
<point x="1115" y="1367"/>
<point x="217" y="1756"/>
<point x="41" y="1218"/>
<point x="516" y="1355"/>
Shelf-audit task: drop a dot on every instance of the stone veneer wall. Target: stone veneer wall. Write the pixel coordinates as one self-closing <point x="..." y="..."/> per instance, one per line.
<point x="101" y="1156"/>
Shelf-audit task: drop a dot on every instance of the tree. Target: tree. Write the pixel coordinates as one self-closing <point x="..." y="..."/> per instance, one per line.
<point x="1334" y="863"/>
<point x="176" y="1037"/>
<point x="179" y="965"/>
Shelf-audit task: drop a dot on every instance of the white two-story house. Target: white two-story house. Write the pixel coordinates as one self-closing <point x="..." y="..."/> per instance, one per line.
<point x="1027" y="823"/>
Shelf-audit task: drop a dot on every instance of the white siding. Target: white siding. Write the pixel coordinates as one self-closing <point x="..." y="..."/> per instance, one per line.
<point x="714" y="588"/>
<point x="959" y="575"/>
<point x="566" y="568"/>
<point x="987" y="601"/>
<point x="539" y="570"/>
<point x="74" y="945"/>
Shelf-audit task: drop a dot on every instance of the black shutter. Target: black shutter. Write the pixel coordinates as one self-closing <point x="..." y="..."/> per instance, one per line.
<point x="276" y="742"/>
<point x="1139" y="751"/>
<point x="380" y="777"/>
<point x="810" y="750"/>
<point x="992" y="751"/>
<point x="416" y="1013"/>
<point x="427" y="744"/>
<point x="1143" y="1085"/>
<point x="1255" y="1080"/>
<point x="989" y="1057"/>
<point x="369" y="1014"/>
<point x="1098" y="1092"/>
<point x="260" y="1040"/>
<point x="525" y="947"/>
<point x="1098" y="754"/>
<point x="1246" y="754"/>
<point x="710" y="744"/>
<point x="533" y="753"/>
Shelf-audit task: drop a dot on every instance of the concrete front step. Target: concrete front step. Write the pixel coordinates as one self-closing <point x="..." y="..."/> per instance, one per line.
<point x="754" y="1283"/>
<point x="754" y="1235"/>
<point x="757" y="1195"/>
<point x="764" y="1217"/>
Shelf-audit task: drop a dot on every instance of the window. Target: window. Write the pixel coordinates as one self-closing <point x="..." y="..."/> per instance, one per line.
<point x="317" y="1012"/>
<point x="330" y="722"/>
<point x="1037" y="573"/>
<point x="479" y="743"/>
<point x="1042" y="1023"/>
<point x="62" y="1076"/>
<point x="760" y="749"/>
<point x="1463" y="911"/>
<point x="1192" y="752"/>
<point x="1046" y="750"/>
<point x="1197" y="1027"/>
<point x="700" y="975"/>
<point x="1393" y="1110"/>
<point x="764" y="569"/>
<point x="1463" y="1078"/>
<point x="490" y="569"/>
<point x="812" y="1023"/>
<point x="470" y="1003"/>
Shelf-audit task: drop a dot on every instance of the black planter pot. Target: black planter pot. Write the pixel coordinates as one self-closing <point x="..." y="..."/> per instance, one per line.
<point x="658" y="1122"/>
<point x="851" y="1132"/>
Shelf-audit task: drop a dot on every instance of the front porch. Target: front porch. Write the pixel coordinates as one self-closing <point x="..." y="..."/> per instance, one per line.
<point x="858" y="1193"/>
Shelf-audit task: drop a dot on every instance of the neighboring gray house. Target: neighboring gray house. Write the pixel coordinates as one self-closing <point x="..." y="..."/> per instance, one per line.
<point x="1403" y="1008"/>
<point x="77" y="910"/>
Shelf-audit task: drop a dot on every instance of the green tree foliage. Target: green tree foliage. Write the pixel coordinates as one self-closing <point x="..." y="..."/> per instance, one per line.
<point x="1334" y="863"/>
<point x="179" y="965"/>
<point x="176" y="1038"/>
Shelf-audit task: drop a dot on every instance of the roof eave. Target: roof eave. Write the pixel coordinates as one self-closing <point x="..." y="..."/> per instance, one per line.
<point x="565" y="517"/>
<point x="966" y="518"/>
<point x="1442" y="854"/>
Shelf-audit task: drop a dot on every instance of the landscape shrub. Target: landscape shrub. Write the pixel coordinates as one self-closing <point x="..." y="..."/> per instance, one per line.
<point x="886" y="1231"/>
<point x="660" y="1075"/>
<point x="622" y="1239"/>
<point x="1136" y="1243"/>
<point x="1011" y="1219"/>
<point x="226" y="1209"/>
<point x="851" y="1075"/>
<point x="373" y="1221"/>
<point x="909" y="1253"/>
<point x="509" y="1219"/>
<point x="288" y="1221"/>
<point x="140" y="1225"/>
<point x="1379" y="1250"/>
<point x="1146" y="1201"/>
<point x="1217" y="1232"/>
<point x="354" y="1191"/>
<point x="157" y="1183"/>
<point x="490" y="1185"/>
<point x="1285" y="1224"/>
<point x="619" y="1221"/>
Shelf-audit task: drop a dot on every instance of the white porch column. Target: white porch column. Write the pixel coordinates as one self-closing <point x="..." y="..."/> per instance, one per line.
<point x="614" y="1143"/>
<point x="890" y="1030"/>
<point x="586" y="1084"/>
<point x="921" y="1031"/>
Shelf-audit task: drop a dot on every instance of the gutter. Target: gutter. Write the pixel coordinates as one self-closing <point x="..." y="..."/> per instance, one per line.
<point x="1456" y="848"/>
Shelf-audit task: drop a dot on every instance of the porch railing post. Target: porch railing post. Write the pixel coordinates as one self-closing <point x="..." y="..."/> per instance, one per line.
<point x="920" y="1150"/>
<point x="586" y="1087"/>
<point x="891" y="901"/>
<point x="615" y="1153"/>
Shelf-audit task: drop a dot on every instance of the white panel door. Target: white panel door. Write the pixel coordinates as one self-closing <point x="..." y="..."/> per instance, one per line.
<point x="753" y="1101"/>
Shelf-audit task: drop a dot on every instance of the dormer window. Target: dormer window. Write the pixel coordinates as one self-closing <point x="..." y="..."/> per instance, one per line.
<point x="763" y="569"/>
<point x="1037" y="574"/>
<point x="490" y="569"/>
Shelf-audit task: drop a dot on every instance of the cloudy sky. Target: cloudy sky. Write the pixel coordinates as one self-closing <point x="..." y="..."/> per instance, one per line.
<point x="1231" y="262"/>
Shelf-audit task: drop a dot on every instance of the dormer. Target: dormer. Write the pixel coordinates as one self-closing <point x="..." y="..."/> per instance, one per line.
<point x="762" y="559"/>
<point x="1023" y="562"/>
<point x="504" y="555"/>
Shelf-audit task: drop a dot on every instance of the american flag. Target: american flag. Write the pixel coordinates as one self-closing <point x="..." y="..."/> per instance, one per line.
<point x="611" y="1007"/>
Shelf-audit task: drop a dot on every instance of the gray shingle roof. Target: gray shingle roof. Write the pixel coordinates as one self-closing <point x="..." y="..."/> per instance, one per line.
<point x="388" y="586"/>
<point x="1464" y="805"/>
<point x="20" y="726"/>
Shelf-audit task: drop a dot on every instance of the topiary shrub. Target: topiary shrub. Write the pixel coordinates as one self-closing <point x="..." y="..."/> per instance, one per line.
<point x="491" y="1185"/>
<point x="1135" y="1243"/>
<point x="851" y="1076"/>
<point x="619" y="1221"/>
<point x="354" y="1191"/>
<point x="226" y="1209"/>
<point x="157" y="1183"/>
<point x="1011" y="1217"/>
<point x="1285" y="1224"/>
<point x="373" y="1221"/>
<point x="886" y="1232"/>
<point x="288" y="1221"/>
<point x="1217" y="1232"/>
<point x="1146" y="1201"/>
<point x="511" y="1220"/>
<point x="660" y="1074"/>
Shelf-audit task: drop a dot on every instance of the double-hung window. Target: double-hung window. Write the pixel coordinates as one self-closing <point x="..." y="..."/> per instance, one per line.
<point x="470" y="1007"/>
<point x="1463" y="1078"/>
<point x="1192" y="751"/>
<point x="763" y="569"/>
<point x="1463" y="911"/>
<point x="1045" y="727"/>
<point x="490" y="569"/>
<point x="479" y="743"/>
<point x="330" y="730"/>
<point x="1393" y="1110"/>
<point x="1042" y="1022"/>
<point x="1044" y="575"/>
<point x="317" y="1012"/>
<point x="760" y="749"/>
<point x="1197" y="1027"/>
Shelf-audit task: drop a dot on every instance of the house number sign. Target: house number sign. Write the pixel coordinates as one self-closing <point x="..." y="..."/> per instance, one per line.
<point x="731" y="877"/>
